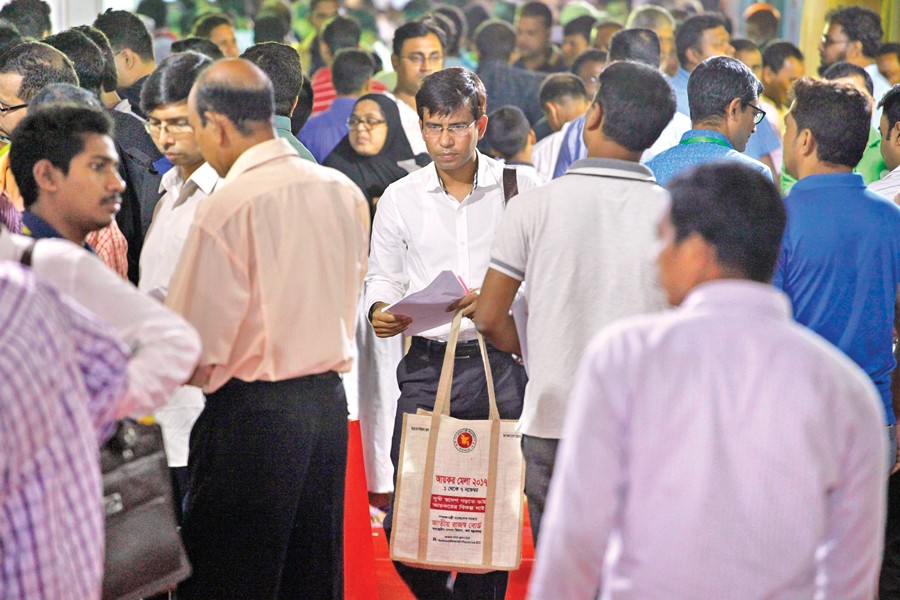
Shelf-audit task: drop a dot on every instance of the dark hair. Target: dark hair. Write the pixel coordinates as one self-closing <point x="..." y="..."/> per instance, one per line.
<point x="765" y="18"/>
<point x="495" y="40"/>
<point x="476" y="14"/>
<point x="156" y="10"/>
<point x="9" y="35"/>
<point x="456" y="15"/>
<point x="269" y="26"/>
<point x="538" y="10"/>
<point x="206" y="22"/>
<point x="890" y="103"/>
<point x="351" y="71"/>
<point x="582" y="26"/>
<point x="776" y="52"/>
<point x="734" y="208"/>
<point x="637" y="104"/>
<point x="507" y="131"/>
<point x="889" y="48"/>
<point x="445" y="92"/>
<point x="639" y="45"/>
<point x="559" y="86"/>
<point x="716" y="82"/>
<point x="196" y="44"/>
<point x="838" y="116"/>
<point x="65" y="93"/>
<point x="840" y="70"/>
<point x="39" y="65"/>
<point x="743" y="45"/>
<point x="282" y="64"/>
<point x="31" y="17"/>
<point x="110" y="80"/>
<point x="86" y="57"/>
<point x="243" y="106"/>
<point x="691" y="32"/>
<point x="340" y="33"/>
<point x="589" y="55"/>
<point x="861" y="25"/>
<point x="172" y="80"/>
<point x="304" y="106"/>
<point x="56" y="133"/>
<point x="416" y="29"/>
<point x="125" y="30"/>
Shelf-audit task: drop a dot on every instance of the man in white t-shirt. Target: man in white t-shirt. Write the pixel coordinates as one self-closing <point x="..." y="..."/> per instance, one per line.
<point x="582" y="244"/>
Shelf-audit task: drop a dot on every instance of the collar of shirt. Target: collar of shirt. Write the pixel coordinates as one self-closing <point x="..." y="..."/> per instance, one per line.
<point x="283" y="123"/>
<point x="610" y="167"/>
<point x="482" y="173"/>
<point x="739" y="295"/>
<point x="205" y="177"/>
<point x="260" y="154"/>
<point x="695" y="133"/>
<point x="829" y="181"/>
<point x="35" y="227"/>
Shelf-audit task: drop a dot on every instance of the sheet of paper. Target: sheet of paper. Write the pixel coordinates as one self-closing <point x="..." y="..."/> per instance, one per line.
<point x="519" y="311"/>
<point x="428" y="307"/>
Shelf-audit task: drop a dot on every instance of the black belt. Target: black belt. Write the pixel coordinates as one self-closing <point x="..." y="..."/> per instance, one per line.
<point x="463" y="349"/>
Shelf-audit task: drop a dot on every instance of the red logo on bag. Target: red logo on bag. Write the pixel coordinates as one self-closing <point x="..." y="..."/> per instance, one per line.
<point x="464" y="440"/>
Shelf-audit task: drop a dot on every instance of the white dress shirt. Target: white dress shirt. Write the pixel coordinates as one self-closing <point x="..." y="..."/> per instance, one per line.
<point x="888" y="186"/>
<point x="409" y="118"/>
<point x="159" y="256"/>
<point x="164" y="347"/>
<point x="421" y="230"/>
<point x="734" y="453"/>
<point x="881" y="86"/>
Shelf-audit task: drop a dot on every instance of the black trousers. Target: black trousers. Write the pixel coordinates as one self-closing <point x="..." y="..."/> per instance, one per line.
<point x="265" y="508"/>
<point x="418" y="375"/>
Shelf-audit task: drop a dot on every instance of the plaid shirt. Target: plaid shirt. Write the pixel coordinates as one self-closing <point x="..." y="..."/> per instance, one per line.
<point x="63" y="373"/>
<point x="111" y="247"/>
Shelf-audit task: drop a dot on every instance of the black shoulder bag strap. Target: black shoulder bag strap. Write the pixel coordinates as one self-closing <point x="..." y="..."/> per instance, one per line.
<point x="510" y="184"/>
<point x="25" y="259"/>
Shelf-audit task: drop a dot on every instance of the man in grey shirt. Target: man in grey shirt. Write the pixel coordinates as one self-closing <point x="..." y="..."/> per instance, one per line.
<point x="583" y="243"/>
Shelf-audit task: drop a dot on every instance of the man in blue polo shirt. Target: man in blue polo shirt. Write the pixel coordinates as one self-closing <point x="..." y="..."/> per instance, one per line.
<point x="724" y="99"/>
<point x="840" y="257"/>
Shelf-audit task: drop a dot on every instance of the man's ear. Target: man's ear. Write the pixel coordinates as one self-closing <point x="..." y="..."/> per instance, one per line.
<point x="806" y="143"/>
<point x="395" y="61"/>
<point x="894" y="134"/>
<point x="734" y="109"/>
<point x="693" y="56"/>
<point x="218" y="126"/>
<point x="130" y="58"/>
<point x="46" y="176"/>
<point x="481" y="125"/>
<point x="854" y="49"/>
<point x="294" y="106"/>
<point x="594" y="117"/>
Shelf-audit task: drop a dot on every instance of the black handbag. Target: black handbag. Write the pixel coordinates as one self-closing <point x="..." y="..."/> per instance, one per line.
<point x="144" y="553"/>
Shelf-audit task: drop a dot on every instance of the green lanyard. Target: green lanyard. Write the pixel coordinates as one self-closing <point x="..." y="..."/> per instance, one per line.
<point x="700" y="139"/>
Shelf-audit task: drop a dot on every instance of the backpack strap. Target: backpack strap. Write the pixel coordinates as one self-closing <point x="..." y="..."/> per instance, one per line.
<point x="510" y="184"/>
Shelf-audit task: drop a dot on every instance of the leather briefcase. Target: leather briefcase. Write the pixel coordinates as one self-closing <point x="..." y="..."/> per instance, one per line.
<point x="144" y="553"/>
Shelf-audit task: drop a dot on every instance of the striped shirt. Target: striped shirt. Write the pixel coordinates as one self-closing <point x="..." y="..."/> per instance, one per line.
<point x="63" y="374"/>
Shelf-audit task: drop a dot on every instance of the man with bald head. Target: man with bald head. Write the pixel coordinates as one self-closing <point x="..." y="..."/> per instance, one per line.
<point x="270" y="276"/>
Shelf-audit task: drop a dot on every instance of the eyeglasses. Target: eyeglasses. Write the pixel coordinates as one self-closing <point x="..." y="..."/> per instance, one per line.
<point x="827" y="41"/>
<point x="5" y="109"/>
<point x="368" y="123"/>
<point x="417" y="58"/>
<point x="458" y="130"/>
<point x="155" y="128"/>
<point x="760" y="113"/>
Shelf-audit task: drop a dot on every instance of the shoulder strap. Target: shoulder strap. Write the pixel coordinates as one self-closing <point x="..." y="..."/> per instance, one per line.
<point x="510" y="184"/>
<point x="25" y="259"/>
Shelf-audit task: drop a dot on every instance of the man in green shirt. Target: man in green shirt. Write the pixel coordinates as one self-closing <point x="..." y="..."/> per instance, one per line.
<point x="281" y="63"/>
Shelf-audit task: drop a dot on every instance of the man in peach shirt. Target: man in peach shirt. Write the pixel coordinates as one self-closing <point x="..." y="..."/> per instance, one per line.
<point x="270" y="276"/>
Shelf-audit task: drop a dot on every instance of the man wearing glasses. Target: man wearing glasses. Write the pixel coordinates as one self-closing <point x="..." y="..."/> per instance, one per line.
<point x="418" y="52"/>
<point x="724" y="99"/>
<point x="440" y="218"/>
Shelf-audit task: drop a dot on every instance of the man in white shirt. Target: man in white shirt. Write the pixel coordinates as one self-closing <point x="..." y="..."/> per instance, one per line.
<point x="440" y="218"/>
<point x="889" y="126"/>
<point x="563" y="99"/>
<point x="581" y="244"/>
<point x="185" y="186"/>
<point x="418" y="52"/>
<point x="721" y="469"/>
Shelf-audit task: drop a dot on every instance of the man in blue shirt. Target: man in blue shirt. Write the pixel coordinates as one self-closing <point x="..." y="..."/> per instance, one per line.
<point x="351" y="71"/>
<point x="724" y="97"/>
<point x="840" y="258"/>
<point x="698" y="38"/>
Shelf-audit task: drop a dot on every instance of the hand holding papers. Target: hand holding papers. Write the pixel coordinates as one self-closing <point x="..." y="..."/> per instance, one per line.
<point x="428" y="307"/>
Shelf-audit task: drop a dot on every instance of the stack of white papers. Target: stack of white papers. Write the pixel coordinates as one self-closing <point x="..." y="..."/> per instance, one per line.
<point x="428" y="307"/>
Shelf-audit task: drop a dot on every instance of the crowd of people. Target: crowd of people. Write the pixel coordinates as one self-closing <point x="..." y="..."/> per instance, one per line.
<point x="704" y="239"/>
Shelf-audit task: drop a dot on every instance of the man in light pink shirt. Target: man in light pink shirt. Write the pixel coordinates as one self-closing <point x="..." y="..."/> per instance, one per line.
<point x="719" y="450"/>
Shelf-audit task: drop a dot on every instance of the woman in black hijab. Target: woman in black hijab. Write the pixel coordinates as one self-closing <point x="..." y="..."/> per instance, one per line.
<point x="376" y="152"/>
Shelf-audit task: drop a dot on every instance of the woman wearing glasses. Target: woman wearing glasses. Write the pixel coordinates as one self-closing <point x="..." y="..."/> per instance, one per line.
<point x="376" y="152"/>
